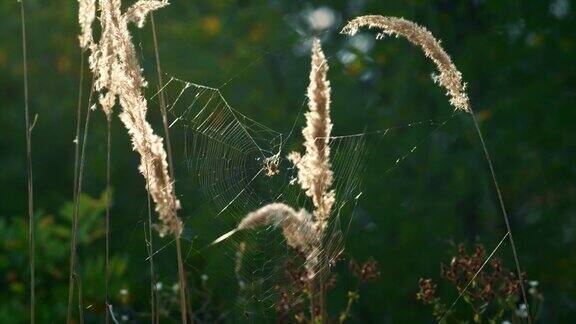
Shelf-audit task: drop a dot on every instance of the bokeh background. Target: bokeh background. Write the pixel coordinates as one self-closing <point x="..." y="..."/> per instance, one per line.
<point x="516" y="56"/>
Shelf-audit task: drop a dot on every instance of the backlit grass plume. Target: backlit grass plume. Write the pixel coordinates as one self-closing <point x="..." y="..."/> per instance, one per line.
<point x="118" y="74"/>
<point x="301" y="229"/>
<point x="314" y="169"/>
<point x="86" y="15"/>
<point x="449" y="77"/>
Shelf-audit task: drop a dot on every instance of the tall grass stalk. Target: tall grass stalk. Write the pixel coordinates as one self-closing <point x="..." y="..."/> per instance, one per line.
<point x="148" y="238"/>
<point x="78" y="123"/>
<point x="184" y="296"/>
<point x="107" y="223"/>
<point x="451" y="79"/>
<point x="182" y="282"/>
<point x="77" y="142"/>
<point x="315" y="174"/>
<point x="80" y="299"/>
<point x="30" y="182"/>
<point x="77" y="192"/>
<point x="149" y="248"/>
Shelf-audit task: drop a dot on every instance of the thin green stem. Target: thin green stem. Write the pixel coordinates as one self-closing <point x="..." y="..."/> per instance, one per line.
<point x="352" y="298"/>
<point x="78" y="123"/>
<point x="80" y="299"/>
<point x="107" y="224"/>
<point x="31" y="222"/>
<point x="150" y="250"/>
<point x="78" y="190"/>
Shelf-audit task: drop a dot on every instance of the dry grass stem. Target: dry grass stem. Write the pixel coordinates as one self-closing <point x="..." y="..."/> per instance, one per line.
<point x="449" y="77"/>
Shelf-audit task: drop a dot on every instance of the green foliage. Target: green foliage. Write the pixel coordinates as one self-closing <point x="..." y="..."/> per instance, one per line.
<point x="53" y="249"/>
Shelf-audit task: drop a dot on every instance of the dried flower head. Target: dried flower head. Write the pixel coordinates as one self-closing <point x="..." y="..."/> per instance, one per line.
<point x="486" y="286"/>
<point x="488" y="283"/>
<point x="427" y="291"/>
<point x="449" y="77"/>
<point x="368" y="271"/>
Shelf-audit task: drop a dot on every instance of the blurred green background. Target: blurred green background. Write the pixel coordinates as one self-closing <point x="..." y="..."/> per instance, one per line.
<point x="516" y="56"/>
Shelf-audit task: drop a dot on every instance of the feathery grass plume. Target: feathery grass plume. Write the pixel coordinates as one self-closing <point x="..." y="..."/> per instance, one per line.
<point x="298" y="228"/>
<point x="138" y="12"/>
<point x="315" y="174"/>
<point x="86" y="15"/>
<point x="118" y="74"/>
<point x="449" y="77"/>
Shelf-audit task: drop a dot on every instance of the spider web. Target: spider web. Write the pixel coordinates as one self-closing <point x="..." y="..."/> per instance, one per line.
<point x="236" y="165"/>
